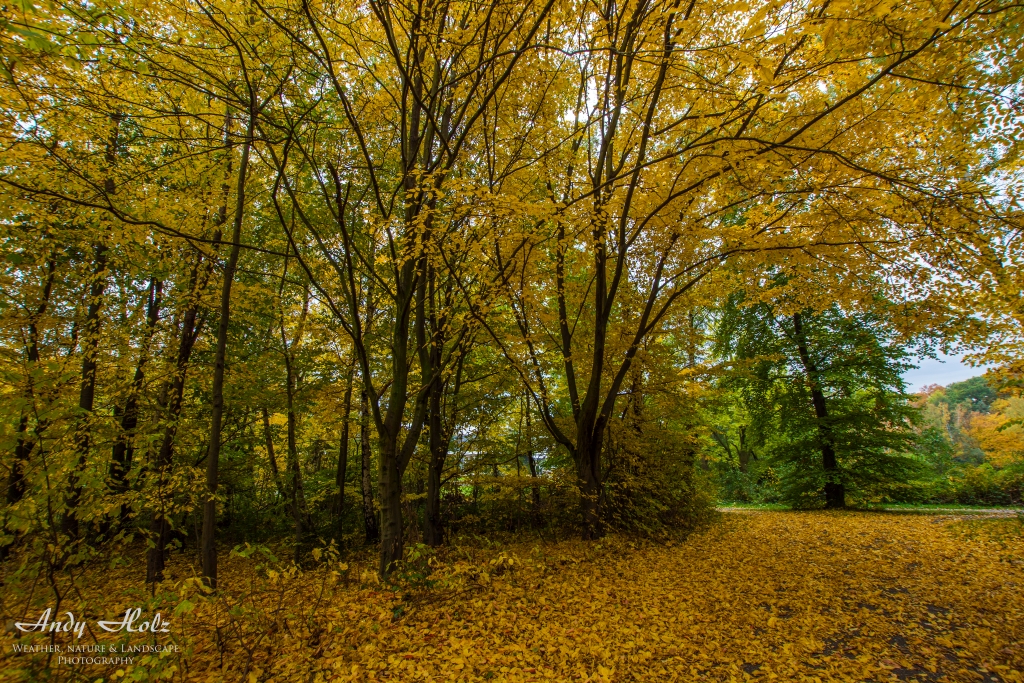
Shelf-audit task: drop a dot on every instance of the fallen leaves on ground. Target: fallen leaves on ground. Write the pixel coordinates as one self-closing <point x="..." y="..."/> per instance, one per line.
<point x="780" y="596"/>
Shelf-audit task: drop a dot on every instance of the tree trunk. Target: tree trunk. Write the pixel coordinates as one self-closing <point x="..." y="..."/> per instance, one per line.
<point x="159" y="525"/>
<point x="295" y="489"/>
<point x="394" y="452"/>
<point x="390" y="487"/>
<point x="209" y="544"/>
<point x="22" y="450"/>
<point x="87" y="392"/>
<point x="124" y="447"/>
<point x="300" y="515"/>
<point x="342" y="471"/>
<point x="25" y="443"/>
<point x="90" y="349"/>
<point x="530" y="459"/>
<point x="272" y="459"/>
<point x="433" y="531"/>
<point x="835" y="494"/>
<point x="743" y="451"/>
<point x="369" y="514"/>
<point x="588" y="471"/>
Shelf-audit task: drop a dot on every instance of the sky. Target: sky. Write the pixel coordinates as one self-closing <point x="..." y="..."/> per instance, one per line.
<point x="945" y="371"/>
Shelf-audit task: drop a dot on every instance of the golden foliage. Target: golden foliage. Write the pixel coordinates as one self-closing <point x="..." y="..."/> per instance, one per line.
<point x="1000" y="433"/>
<point x="762" y="596"/>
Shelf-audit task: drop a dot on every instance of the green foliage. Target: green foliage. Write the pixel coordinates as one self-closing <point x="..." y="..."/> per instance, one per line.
<point x="978" y="485"/>
<point x="655" y="487"/>
<point x="852" y="361"/>
<point x="975" y="394"/>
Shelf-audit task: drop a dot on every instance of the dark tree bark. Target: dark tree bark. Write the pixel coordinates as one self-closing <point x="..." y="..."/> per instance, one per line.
<point x="433" y="532"/>
<point x="25" y="443"/>
<point x="366" y="460"/>
<point x="171" y="400"/>
<point x="835" y="494"/>
<point x="440" y="426"/>
<point x="341" y="473"/>
<point x="124" y="448"/>
<point x="191" y="325"/>
<point x="395" y="451"/>
<point x="87" y="392"/>
<point x="90" y="348"/>
<point x="296" y="494"/>
<point x="431" y="357"/>
<point x="208" y="551"/>
<point x="743" y="450"/>
<point x="275" y="472"/>
<point x="531" y="461"/>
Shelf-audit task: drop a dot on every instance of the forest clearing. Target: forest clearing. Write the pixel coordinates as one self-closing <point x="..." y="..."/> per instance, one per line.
<point x="769" y="596"/>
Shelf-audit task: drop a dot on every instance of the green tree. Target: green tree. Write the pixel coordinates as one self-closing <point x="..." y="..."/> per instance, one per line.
<point x="826" y="392"/>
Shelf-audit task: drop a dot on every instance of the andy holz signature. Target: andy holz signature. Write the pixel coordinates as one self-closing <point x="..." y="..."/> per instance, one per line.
<point x="129" y="622"/>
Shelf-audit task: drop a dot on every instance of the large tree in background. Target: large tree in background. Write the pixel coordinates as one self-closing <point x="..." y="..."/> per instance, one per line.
<point x="826" y="392"/>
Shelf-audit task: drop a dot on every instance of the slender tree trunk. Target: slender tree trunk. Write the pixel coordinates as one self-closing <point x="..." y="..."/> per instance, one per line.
<point x="295" y="490"/>
<point x="369" y="513"/>
<point x="835" y="494"/>
<point x="342" y="470"/>
<point x="159" y="526"/>
<point x="300" y="515"/>
<point x="208" y="543"/>
<point x="22" y="450"/>
<point x="440" y="436"/>
<point x="433" y="528"/>
<point x="87" y="392"/>
<point x="90" y="349"/>
<point x="437" y="444"/>
<point x="390" y="428"/>
<point x="268" y="436"/>
<point x="124" y="447"/>
<point x="25" y="443"/>
<point x="191" y="324"/>
<point x="742" y="451"/>
<point x="395" y="453"/>
<point x="433" y="531"/>
<point x="530" y="459"/>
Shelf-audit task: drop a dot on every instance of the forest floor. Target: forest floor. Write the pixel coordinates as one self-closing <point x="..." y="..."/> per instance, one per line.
<point x="767" y="596"/>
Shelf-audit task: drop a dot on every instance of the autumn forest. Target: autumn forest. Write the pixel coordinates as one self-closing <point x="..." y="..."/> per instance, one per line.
<point x="392" y="302"/>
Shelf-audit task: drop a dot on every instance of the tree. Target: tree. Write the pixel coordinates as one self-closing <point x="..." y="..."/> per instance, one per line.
<point x="404" y="178"/>
<point x="827" y="386"/>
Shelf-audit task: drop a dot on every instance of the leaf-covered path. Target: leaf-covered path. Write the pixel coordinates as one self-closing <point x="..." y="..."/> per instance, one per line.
<point x="772" y="596"/>
<point x="769" y="596"/>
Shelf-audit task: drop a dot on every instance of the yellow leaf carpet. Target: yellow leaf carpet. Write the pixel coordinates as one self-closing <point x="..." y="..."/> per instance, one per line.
<point x="770" y="596"/>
